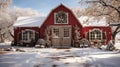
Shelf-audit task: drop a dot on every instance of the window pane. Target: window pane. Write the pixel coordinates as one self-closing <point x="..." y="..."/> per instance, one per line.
<point x="56" y="31"/>
<point x="30" y="34"/>
<point x="27" y="35"/>
<point x="66" y="32"/>
<point x="96" y="34"/>
<point x="61" y="17"/>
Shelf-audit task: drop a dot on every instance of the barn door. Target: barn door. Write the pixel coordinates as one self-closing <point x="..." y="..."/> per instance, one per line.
<point x="66" y="36"/>
<point x="61" y="36"/>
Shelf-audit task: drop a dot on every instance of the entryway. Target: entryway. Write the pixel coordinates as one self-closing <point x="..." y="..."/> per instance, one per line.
<point x="61" y="36"/>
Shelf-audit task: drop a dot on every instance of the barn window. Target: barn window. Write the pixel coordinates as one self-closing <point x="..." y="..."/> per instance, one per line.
<point x="56" y="32"/>
<point x="25" y="36"/>
<point x="66" y="32"/>
<point x="95" y="34"/>
<point x="61" y="17"/>
<point x="28" y="34"/>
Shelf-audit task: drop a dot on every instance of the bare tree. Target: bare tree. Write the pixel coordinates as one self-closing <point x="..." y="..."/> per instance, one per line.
<point x="78" y="11"/>
<point x="108" y="8"/>
<point x="7" y="18"/>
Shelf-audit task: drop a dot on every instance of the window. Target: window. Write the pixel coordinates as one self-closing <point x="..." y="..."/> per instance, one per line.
<point x="24" y="36"/>
<point x="28" y="34"/>
<point x="92" y="36"/>
<point x="95" y="34"/>
<point x="56" y="32"/>
<point x="66" y="32"/>
<point x="61" y="17"/>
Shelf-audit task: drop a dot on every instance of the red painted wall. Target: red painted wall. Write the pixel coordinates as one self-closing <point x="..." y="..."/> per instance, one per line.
<point x="107" y="30"/>
<point x="50" y="19"/>
<point x="19" y="29"/>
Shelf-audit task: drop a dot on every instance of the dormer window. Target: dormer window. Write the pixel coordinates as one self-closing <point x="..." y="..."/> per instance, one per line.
<point x="61" y="17"/>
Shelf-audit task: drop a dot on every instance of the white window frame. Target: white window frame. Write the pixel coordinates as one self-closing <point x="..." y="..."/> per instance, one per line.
<point x="68" y="31"/>
<point x="55" y="18"/>
<point x="56" y="31"/>
<point x="96" y="36"/>
<point x="28" y="38"/>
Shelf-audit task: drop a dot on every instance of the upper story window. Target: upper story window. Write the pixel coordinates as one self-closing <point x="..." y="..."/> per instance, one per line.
<point x="61" y="17"/>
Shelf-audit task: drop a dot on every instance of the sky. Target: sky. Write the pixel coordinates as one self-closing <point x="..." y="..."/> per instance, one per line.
<point x="44" y="6"/>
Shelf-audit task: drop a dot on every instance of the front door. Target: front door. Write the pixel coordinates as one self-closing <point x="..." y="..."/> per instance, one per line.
<point x="61" y="36"/>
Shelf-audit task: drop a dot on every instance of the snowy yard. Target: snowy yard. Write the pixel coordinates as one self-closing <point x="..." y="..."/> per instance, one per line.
<point x="51" y="57"/>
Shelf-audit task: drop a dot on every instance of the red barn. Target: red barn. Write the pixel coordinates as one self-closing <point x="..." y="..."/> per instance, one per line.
<point x="58" y="28"/>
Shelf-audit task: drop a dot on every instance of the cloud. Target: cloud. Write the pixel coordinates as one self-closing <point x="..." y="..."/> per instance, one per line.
<point x="17" y="11"/>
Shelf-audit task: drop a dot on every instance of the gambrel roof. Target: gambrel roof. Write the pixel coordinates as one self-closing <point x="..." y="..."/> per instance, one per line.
<point x="38" y="21"/>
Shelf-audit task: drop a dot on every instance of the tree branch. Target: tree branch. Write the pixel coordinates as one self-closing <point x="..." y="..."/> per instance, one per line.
<point x="107" y="5"/>
<point x="11" y="34"/>
<point x="115" y="24"/>
<point x="118" y="31"/>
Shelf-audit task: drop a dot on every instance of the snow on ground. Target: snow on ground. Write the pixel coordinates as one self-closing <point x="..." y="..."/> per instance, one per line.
<point x="117" y="41"/>
<point x="117" y="45"/>
<point x="5" y="45"/>
<point x="51" y="57"/>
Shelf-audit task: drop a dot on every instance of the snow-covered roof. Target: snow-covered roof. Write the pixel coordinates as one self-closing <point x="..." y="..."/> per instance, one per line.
<point x="91" y="21"/>
<point x="38" y="21"/>
<point x="29" y="21"/>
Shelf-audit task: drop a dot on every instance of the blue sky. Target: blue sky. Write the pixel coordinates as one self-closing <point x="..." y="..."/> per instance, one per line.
<point x="43" y="6"/>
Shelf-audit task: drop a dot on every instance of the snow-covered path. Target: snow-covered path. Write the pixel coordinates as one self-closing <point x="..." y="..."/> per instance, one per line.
<point x="49" y="57"/>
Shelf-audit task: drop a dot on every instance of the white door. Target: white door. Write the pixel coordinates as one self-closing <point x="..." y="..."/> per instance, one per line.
<point x="61" y="35"/>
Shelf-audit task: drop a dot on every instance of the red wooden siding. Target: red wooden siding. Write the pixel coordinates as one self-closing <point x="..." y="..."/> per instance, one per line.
<point x="17" y="30"/>
<point x="107" y="30"/>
